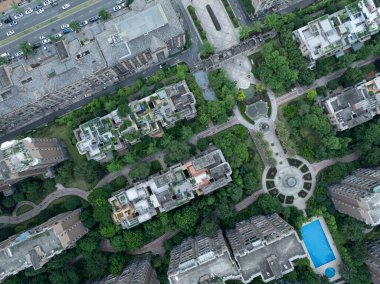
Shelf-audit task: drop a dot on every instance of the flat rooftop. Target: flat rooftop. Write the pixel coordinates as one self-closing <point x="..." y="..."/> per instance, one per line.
<point x="221" y="266"/>
<point x="255" y="263"/>
<point x="21" y="258"/>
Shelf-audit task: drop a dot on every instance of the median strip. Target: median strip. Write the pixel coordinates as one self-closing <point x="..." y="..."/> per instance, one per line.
<point x="48" y="22"/>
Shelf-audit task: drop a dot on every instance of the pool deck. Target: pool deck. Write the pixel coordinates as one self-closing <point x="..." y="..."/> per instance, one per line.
<point x="336" y="262"/>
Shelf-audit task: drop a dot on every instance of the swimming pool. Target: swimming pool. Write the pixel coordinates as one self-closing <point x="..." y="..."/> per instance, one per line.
<point x="317" y="244"/>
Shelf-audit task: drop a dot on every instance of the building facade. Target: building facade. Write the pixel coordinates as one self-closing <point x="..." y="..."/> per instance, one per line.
<point x="147" y="116"/>
<point x="167" y="191"/>
<point x="358" y="195"/>
<point x="74" y="68"/>
<point x="201" y="257"/>
<point x="334" y="34"/>
<point x="373" y="260"/>
<point x="263" y="246"/>
<point x="36" y="246"/>
<point x="140" y="271"/>
<point x="354" y="105"/>
<point x="28" y="157"/>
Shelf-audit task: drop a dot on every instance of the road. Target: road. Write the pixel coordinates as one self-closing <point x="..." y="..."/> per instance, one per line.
<point x="50" y="12"/>
<point x="318" y="167"/>
<point x="299" y="91"/>
<point x="10" y="220"/>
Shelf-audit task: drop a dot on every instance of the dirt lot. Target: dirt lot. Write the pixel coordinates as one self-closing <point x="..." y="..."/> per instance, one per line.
<point x="6" y="4"/>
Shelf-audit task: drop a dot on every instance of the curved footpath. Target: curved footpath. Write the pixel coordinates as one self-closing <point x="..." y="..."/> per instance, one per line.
<point x="318" y="167"/>
<point x="62" y="192"/>
<point x="22" y="203"/>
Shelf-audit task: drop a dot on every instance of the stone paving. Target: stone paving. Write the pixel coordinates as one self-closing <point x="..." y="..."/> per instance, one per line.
<point x="239" y="70"/>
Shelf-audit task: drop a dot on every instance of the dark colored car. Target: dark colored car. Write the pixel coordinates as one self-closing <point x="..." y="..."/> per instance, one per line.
<point x="40" y="6"/>
<point x="36" y="45"/>
<point x="8" y="20"/>
<point x="67" y="30"/>
<point x="93" y="19"/>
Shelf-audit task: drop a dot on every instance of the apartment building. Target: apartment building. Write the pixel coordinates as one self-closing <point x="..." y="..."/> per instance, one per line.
<point x="358" y="195"/>
<point x="263" y="7"/>
<point x="335" y="34"/>
<point x="147" y="34"/>
<point x="373" y="260"/>
<point x="140" y="271"/>
<point x="75" y="67"/>
<point x="28" y="157"/>
<point x="354" y="105"/>
<point x="262" y="246"/>
<point x="36" y="246"/>
<point x="147" y="116"/>
<point x="200" y="258"/>
<point x="169" y="190"/>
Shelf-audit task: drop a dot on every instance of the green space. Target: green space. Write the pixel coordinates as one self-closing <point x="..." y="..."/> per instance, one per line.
<point x="23" y="209"/>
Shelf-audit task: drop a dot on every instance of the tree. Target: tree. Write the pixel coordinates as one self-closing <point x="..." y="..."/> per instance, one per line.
<point x="134" y="239"/>
<point x="208" y="227"/>
<point x="114" y="166"/>
<point x="240" y="96"/>
<point x="139" y="171"/>
<point x="244" y="32"/>
<point x="273" y="21"/>
<point x="257" y="27"/>
<point x="311" y="95"/>
<point x="117" y="263"/>
<point x="118" y="243"/>
<point x="207" y="49"/>
<point x="104" y="15"/>
<point x="88" y="244"/>
<point x="108" y="230"/>
<point x="123" y="110"/>
<point x="3" y="60"/>
<point x="71" y="203"/>
<point x="26" y="48"/>
<point x="64" y="276"/>
<point x="186" y="132"/>
<point x="177" y="151"/>
<point x="186" y="219"/>
<point x="95" y="265"/>
<point x="75" y="26"/>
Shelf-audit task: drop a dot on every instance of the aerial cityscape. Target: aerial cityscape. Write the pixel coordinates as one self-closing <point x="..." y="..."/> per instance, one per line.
<point x="190" y="141"/>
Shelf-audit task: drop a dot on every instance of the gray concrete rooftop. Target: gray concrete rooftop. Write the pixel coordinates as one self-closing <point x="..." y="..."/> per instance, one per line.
<point x="255" y="263"/>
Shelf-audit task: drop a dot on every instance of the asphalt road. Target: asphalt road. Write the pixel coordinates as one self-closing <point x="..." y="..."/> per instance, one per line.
<point x="33" y="19"/>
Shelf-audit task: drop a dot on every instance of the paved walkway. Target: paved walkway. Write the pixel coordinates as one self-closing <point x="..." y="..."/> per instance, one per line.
<point x="299" y="91"/>
<point x="44" y="204"/>
<point x="248" y="200"/>
<point x="22" y="203"/>
<point x="318" y="167"/>
<point x="155" y="247"/>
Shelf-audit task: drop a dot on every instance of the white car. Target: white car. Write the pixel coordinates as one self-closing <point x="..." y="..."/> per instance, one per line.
<point x="58" y="35"/>
<point x="45" y="41"/>
<point x="65" y="26"/>
<point x="18" y="16"/>
<point x="11" y="24"/>
<point x="47" y="2"/>
<point x="117" y="8"/>
<point x="39" y="11"/>
<point x="1" y="24"/>
<point x="11" y="32"/>
<point x="42" y="37"/>
<point x="67" y="5"/>
<point x="28" y="11"/>
<point x="17" y="54"/>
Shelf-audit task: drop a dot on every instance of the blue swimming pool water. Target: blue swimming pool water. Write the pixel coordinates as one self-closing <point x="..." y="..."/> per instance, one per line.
<point x="330" y="272"/>
<point x="317" y="244"/>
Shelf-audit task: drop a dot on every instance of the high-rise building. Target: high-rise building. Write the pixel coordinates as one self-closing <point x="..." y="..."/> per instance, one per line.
<point x="373" y="261"/>
<point x="354" y="105"/>
<point x="200" y="258"/>
<point x="358" y="195"/>
<point x="167" y="191"/>
<point x="140" y="271"/>
<point x="28" y="157"/>
<point x="262" y="246"/>
<point x="334" y="34"/>
<point x="265" y="246"/>
<point x="36" y="246"/>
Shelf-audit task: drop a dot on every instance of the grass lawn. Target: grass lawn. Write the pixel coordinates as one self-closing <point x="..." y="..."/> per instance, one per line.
<point x="23" y="209"/>
<point x="66" y="134"/>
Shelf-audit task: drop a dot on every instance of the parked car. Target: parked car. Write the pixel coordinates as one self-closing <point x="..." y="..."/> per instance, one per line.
<point x="36" y="45"/>
<point x="39" y="6"/>
<point x="39" y="11"/>
<point x="118" y="2"/>
<point x="18" y="16"/>
<point x="54" y="3"/>
<point x="117" y="8"/>
<point x="42" y="37"/>
<point x="47" y="2"/>
<point x="11" y="24"/>
<point x="11" y="32"/>
<point x="64" y="26"/>
<point x="1" y="24"/>
<point x="45" y="41"/>
<point x="67" y="5"/>
<point x="28" y="11"/>
<point x="67" y="30"/>
<point x="58" y="35"/>
<point x="93" y="19"/>
<point x="19" y="53"/>
<point x="8" y="20"/>
<point x="82" y="24"/>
